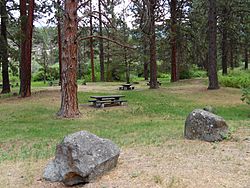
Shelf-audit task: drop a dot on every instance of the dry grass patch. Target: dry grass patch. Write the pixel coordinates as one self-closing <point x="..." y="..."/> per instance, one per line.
<point x="197" y="91"/>
<point x="175" y="163"/>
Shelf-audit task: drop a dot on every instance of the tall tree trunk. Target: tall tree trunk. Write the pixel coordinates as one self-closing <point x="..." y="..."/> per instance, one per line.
<point x="145" y="57"/>
<point x="108" y="71"/>
<point x="83" y="58"/>
<point x="224" y="42"/>
<point x="153" y="65"/>
<point x="224" y="51"/>
<point x="127" y="66"/>
<point x="4" y="48"/>
<point x="212" y="62"/>
<point x="44" y="63"/>
<point x="231" y="56"/>
<point x="246" y="57"/>
<point x="26" y="46"/>
<point x="125" y="52"/>
<point x="91" y="44"/>
<point x="101" y="55"/>
<point x="79" y="75"/>
<point x="59" y="39"/>
<point x="173" y="11"/>
<point x="180" y="58"/>
<point x="69" y="103"/>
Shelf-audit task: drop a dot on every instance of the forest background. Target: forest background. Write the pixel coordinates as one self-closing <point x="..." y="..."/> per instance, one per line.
<point x="190" y="35"/>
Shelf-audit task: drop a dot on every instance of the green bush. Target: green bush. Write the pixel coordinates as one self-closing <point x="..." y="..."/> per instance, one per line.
<point x="198" y="74"/>
<point x="246" y="95"/>
<point x="236" y="79"/>
<point x="185" y="74"/>
<point x="38" y="76"/>
<point x="164" y="75"/>
<point x="192" y="72"/>
<point x="52" y="74"/>
<point x="14" y="79"/>
<point x="88" y="77"/>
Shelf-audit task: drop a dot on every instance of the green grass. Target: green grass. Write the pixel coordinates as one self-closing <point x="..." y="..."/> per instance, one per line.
<point x="40" y="84"/>
<point x="29" y="128"/>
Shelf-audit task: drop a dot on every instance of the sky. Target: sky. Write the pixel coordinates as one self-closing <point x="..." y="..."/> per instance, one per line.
<point x="43" y="21"/>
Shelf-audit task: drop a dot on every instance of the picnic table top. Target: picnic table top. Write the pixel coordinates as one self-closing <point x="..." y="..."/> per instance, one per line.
<point x="126" y="84"/>
<point x="107" y="96"/>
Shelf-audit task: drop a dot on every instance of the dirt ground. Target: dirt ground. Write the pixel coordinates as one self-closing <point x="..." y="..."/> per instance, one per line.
<point x="176" y="163"/>
<point x="173" y="164"/>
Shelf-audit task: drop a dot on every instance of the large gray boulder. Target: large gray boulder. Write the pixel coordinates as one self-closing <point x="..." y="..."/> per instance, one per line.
<point x="80" y="158"/>
<point x="204" y="125"/>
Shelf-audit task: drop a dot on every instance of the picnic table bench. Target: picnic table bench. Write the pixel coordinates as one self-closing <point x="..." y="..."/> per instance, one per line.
<point x="107" y="100"/>
<point x="126" y="87"/>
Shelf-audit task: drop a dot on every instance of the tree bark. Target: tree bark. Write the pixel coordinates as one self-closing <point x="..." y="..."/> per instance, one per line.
<point x="108" y="71"/>
<point x="4" y="48"/>
<point x="69" y="102"/>
<point x="101" y="55"/>
<point x="231" y="56"/>
<point x="173" y="11"/>
<point x="153" y="65"/>
<point x="127" y="66"/>
<point x="145" y="57"/>
<point x="224" y="42"/>
<point x="212" y="62"/>
<point x="246" y="57"/>
<point x="224" y="51"/>
<point x="44" y="53"/>
<point x="59" y="40"/>
<point x="26" y="47"/>
<point x="79" y="62"/>
<point x="91" y="44"/>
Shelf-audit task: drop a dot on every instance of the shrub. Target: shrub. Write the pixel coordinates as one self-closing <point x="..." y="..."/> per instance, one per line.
<point x="246" y="95"/>
<point x="193" y="72"/>
<point x="185" y="74"/>
<point x="14" y="79"/>
<point x="52" y="74"/>
<point x="236" y="79"/>
<point x="164" y="75"/>
<point x="38" y="76"/>
<point x="198" y="73"/>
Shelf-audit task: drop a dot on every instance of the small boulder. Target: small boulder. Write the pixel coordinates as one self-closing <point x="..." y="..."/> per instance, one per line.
<point x="80" y="158"/>
<point x="204" y="125"/>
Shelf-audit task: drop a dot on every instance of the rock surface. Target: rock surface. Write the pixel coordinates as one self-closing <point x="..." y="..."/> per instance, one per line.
<point x="204" y="125"/>
<point x="80" y="158"/>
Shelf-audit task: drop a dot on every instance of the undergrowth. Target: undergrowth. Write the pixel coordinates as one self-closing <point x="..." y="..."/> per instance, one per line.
<point x="235" y="78"/>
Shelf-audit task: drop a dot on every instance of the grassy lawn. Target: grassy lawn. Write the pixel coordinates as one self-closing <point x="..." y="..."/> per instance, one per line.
<point x="29" y="128"/>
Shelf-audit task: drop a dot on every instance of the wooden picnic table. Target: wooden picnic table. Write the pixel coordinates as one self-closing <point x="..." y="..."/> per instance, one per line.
<point x="102" y="101"/>
<point x="126" y="87"/>
<point x="117" y="97"/>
